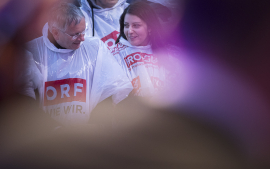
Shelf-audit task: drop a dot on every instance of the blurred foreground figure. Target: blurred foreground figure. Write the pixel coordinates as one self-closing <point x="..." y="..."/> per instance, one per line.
<point x="227" y="70"/>
<point x="143" y="137"/>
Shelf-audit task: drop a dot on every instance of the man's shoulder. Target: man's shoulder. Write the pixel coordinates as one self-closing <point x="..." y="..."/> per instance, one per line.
<point x="36" y="40"/>
<point x="92" y="46"/>
<point x="34" y="44"/>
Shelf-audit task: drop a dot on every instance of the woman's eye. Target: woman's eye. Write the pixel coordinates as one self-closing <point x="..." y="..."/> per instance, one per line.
<point x="136" y="26"/>
<point x="126" y="25"/>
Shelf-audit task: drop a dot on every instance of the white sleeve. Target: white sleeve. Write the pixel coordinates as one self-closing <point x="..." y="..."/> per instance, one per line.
<point x="27" y="75"/>
<point x="109" y="78"/>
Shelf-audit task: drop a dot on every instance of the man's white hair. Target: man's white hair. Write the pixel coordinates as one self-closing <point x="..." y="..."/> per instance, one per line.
<point x="63" y="14"/>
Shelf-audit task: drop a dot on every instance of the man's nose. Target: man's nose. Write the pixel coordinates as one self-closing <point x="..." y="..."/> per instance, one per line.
<point x="81" y="37"/>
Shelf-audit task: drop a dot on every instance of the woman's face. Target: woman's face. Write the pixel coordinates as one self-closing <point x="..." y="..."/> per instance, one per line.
<point x="136" y="30"/>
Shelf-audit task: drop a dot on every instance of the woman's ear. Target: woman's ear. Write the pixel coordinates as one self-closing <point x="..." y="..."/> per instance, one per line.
<point x="55" y="33"/>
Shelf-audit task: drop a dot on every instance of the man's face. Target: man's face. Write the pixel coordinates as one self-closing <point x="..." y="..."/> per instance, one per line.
<point x="106" y="3"/>
<point x="65" y="38"/>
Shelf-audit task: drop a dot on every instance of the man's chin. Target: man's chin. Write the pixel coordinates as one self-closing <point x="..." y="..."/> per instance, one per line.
<point x="76" y="46"/>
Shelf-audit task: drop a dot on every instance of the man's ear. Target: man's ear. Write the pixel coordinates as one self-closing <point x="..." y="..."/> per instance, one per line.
<point x="55" y="33"/>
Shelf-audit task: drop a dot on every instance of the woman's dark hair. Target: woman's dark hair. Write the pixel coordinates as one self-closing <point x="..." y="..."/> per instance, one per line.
<point x="142" y="10"/>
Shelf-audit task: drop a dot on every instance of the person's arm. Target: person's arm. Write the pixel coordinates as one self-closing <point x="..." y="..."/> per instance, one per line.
<point x="109" y="79"/>
<point x="27" y="76"/>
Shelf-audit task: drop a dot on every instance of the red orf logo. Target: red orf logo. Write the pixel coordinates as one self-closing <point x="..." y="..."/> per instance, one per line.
<point x="110" y="39"/>
<point x="136" y="83"/>
<point x="66" y="90"/>
<point x="157" y="83"/>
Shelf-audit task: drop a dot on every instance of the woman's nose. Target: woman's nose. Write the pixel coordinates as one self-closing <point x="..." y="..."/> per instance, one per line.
<point x="130" y="30"/>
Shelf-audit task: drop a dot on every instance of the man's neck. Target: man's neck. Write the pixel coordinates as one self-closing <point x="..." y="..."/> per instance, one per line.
<point x="53" y="41"/>
<point x="99" y="3"/>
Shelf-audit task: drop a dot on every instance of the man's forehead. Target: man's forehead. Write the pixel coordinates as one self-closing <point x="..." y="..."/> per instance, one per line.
<point x="73" y="23"/>
<point x="80" y="25"/>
